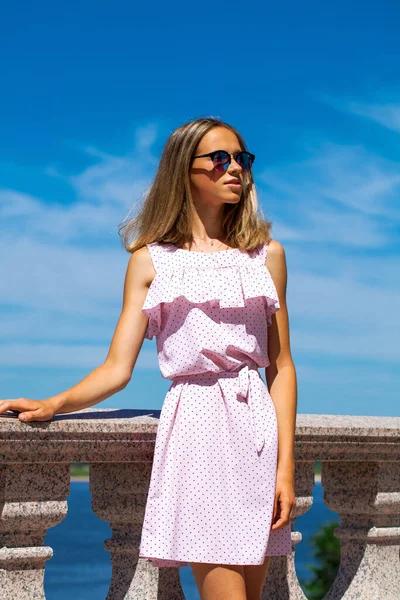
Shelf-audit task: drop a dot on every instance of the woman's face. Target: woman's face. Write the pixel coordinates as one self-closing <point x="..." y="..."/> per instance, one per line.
<point x="207" y="184"/>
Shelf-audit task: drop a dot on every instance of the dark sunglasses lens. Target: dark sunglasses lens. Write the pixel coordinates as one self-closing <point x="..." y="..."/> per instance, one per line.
<point x="221" y="160"/>
<point x="244" y="160"/>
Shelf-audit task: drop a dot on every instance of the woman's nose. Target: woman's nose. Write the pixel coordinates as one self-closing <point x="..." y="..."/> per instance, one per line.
<point x="234" y="166"/>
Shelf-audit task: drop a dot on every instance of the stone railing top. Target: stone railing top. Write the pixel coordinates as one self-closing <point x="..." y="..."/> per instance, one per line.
<point x="141" y="420"/>
<point x="348" y="425"/>
<point x="107" y="434"/>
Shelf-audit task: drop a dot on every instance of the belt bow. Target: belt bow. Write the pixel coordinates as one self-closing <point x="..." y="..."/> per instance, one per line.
<point x="254" y="402"/>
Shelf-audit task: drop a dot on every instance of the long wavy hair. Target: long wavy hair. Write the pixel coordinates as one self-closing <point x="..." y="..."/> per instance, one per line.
<point x="166" y="215"/>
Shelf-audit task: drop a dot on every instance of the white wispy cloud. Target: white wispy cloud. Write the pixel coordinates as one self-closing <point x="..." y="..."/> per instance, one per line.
<point x="338" y="215"/>
<point x="64" y="264"/>
<point x="80" y="356"/>
<point x="344" y="195"/>
<point x="387" y="115"/>
<point x="380" y="109"/>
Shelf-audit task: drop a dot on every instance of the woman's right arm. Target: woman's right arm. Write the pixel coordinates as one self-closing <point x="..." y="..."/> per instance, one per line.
<point x="116" y="371"/>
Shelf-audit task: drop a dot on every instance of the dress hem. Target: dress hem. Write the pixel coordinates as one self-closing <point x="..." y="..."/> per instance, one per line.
<point x="159" y="562"/>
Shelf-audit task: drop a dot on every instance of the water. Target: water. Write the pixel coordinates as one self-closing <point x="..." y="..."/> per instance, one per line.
<point x="80" y="567"/>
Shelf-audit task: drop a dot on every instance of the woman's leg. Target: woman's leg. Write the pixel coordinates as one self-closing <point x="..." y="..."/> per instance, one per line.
<point x="254" y="577"/>
<point x="219" y="582"/>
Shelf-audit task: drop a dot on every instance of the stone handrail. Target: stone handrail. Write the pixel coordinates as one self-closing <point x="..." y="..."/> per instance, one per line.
<point x="360" y="462"/>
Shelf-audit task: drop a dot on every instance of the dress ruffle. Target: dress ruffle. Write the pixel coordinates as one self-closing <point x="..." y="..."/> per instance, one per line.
<point x="251" y="281"/>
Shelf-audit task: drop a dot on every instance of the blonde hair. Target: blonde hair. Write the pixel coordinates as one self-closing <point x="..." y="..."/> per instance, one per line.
<point x="166" y="214"/>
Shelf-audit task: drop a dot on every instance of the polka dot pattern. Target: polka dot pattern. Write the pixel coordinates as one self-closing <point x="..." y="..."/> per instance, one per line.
<point x="212" y="485"/>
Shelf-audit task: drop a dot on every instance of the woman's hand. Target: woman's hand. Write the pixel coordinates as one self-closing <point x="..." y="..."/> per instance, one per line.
<point x="29" y="410"/>
<point x="285" y="499"/>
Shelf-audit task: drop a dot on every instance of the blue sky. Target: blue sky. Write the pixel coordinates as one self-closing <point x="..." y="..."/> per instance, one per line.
<point x="89" y="97"/>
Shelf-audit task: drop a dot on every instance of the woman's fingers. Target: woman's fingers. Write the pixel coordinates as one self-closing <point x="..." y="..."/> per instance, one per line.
<point x="283" y="518"/>
<point x="35" y="415"/>
<point x="283" y="515"/>
<point x="14" y="405"/>
<point x="28" y="410"/>
<point x="274" y="514"/>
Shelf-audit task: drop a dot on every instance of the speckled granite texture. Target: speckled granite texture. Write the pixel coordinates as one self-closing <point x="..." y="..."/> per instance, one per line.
<point x="360" y="475"/>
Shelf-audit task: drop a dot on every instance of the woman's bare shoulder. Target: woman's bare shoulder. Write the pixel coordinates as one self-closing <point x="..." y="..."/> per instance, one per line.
<point x="275" y="248"/>
<point x="276" y="264"/>
<point x="141" y="265"/>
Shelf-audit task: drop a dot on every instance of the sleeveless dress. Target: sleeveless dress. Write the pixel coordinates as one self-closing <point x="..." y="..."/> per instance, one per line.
<point x="212" y="485"/>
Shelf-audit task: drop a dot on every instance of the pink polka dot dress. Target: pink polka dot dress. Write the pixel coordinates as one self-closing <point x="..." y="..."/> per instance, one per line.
<point x="213" y="477"/>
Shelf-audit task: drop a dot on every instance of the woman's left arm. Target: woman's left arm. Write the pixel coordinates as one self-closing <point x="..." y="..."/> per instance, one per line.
<point x="282" y="384"/>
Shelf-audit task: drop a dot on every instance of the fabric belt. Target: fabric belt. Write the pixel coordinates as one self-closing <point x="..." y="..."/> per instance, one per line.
<point x="248" y="388"/>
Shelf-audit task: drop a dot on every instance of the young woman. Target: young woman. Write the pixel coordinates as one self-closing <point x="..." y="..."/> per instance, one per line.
<point x="206" y="279"/>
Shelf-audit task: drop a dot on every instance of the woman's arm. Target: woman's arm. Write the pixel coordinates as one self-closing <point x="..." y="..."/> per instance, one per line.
<point x="116" y="371"/>
<point x="282" y="385"/>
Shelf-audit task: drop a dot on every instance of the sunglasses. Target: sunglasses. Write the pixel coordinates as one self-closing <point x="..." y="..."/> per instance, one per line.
<point x="222" y="159"/>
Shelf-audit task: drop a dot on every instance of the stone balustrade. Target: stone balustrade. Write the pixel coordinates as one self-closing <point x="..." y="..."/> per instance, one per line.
<point x="360" y="461"/>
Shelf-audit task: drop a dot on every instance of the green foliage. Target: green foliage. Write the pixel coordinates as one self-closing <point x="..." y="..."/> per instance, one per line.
<point x="79" y="469"/>
<point x="327" y="554"/>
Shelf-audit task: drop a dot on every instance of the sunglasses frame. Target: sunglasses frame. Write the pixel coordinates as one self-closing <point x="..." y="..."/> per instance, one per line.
<point x="211" y="155"/>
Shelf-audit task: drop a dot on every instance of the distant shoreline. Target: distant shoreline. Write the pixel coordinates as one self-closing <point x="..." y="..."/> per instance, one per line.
<point x="85" y="478"/>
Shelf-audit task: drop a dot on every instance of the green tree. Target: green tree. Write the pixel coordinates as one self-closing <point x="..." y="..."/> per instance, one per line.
<point x="327" y="555"/>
